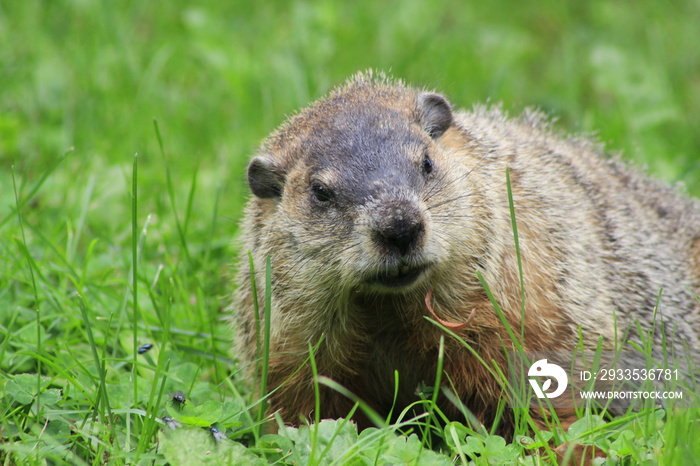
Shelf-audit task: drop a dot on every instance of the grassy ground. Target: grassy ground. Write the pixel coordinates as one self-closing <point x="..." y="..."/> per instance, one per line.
<point x="102" y="251"/>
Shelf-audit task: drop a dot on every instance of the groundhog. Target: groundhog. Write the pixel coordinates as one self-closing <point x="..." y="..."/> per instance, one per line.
<point x="380" y="206"/>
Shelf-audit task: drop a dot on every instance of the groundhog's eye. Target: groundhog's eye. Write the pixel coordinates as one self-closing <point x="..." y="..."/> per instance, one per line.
<point x="321" y="192"/>
<point x="427" y="165"/>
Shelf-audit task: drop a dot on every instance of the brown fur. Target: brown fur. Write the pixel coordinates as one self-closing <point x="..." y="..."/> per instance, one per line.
<point x="596" y="238"/>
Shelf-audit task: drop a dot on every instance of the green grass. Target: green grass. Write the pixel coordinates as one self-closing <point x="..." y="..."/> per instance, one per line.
<point x="102" y="251"/>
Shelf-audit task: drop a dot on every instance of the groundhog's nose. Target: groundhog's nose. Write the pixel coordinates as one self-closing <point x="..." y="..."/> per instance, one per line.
<point x="400" y="235"/>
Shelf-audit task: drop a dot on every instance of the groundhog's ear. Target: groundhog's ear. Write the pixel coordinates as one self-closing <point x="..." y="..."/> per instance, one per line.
<point x="436" y="114"/>
<point x="264" y="179"/>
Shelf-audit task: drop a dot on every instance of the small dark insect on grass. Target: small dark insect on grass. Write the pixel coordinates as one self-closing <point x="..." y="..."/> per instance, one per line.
<point x="144" y="348"/>
<point x="216" y="434"/>
<point x="171" y="423"/>
<point x="178" y="398"/>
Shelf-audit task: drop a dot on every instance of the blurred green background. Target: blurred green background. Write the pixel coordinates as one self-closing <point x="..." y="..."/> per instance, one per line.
<point x="89" y="77"/>
<point x="218" y="76"/>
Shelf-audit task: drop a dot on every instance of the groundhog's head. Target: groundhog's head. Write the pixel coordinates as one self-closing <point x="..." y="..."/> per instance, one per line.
<point x="358" y="188"/>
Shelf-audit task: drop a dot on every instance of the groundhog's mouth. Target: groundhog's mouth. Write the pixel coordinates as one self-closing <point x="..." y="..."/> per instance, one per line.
<point x="397" y="277"/>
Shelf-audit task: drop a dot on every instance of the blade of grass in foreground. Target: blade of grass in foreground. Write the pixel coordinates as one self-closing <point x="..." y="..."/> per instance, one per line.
<point x="266" y="338"/>
<point x="171" y="194"/>
<point x="134" y="272"/>
<point x="98" y="365"/>
<point x="516" y="241"/>
<point x="30" y="264"/>
<point x="261" y="350"/>
<point x="367" y="409"/>
<point x="162" y="368"/>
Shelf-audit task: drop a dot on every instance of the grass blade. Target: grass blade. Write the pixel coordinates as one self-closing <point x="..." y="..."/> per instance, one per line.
<point x="516" y="241"/>
<point x="30" y="264"/>
<point x="171" y="194"/>
<point x="134" y="272"/>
